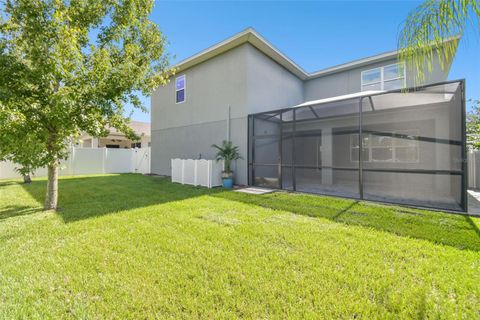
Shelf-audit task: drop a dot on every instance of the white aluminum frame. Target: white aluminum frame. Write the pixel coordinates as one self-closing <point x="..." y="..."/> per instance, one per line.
<point x="184" y="88"/>
<point x="382" y="76"/>
<point x="394" y="147"/>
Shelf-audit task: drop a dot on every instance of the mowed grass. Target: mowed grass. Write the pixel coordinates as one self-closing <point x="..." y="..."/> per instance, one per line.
<point x="137" y="247"/>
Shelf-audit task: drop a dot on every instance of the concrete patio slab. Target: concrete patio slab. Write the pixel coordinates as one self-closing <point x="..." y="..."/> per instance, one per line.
<point x="255" y="190"/>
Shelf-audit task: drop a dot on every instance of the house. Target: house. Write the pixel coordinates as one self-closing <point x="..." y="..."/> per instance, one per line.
<point x="348" y="130"/>
<point x="116" y="139"/>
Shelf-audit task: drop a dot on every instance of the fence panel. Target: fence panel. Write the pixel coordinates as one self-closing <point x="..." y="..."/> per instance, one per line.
<point x="92" y="161"/>
<point x="203" y="173"/>
<point x="177" y="170"/>
<point x="88" y="161"/>
<point x="142" y="160"/>
<point x="189" y="172"/>
<point x="119" y="160"/>
<point x="199" y="172"/>
<point x="7" y="170"/>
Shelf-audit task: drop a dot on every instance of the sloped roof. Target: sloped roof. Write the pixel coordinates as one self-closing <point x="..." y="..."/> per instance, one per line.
<point x="249" y="35"/>
<point x="139" y="127"/>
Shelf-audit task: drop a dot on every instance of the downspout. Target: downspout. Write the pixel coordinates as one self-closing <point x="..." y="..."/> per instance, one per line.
<point x="228" y="130"/>
<point x="228" y="123"/>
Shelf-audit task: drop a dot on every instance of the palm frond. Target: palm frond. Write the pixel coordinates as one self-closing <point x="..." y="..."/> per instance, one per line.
<point x="227" y="152"/>
<point x="434" y="26"/>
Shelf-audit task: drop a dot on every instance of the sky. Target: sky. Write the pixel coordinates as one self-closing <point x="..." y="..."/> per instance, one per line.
<point x="314" y="34"/>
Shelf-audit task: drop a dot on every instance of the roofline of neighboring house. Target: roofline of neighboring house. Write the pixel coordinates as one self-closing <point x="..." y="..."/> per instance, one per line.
<point x="251" y="36"/>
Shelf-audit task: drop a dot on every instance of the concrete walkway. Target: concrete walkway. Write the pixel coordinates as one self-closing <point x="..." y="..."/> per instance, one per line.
<point x="255" y="190"/>
<point x="474" y="202"/>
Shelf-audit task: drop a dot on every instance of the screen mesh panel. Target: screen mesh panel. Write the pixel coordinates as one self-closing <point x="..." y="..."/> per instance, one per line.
<point x="266" y="150"/>
<point x="328" y="181"/>
<point x="401" y="147"/>
<point x="414" y="148"/>
<point x="429" y="190"/>
<point x="266" y="176"/>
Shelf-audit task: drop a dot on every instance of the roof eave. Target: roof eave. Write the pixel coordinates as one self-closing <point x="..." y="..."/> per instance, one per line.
<point x="353" y="64"/>
<point x="247" y="36"/>
<point x="250" y="36"/>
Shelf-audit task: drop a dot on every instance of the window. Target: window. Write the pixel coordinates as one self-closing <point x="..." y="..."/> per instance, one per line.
<point x="389" y="77"/>
<point x="136" y="145"/>
<point x="354" y="146"/>
<point x="180" y="83"/>
<point x="401" y="146"/>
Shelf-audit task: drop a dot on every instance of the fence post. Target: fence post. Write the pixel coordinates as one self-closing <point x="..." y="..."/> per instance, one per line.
<point x="71" y="170"/>
<point x="149" y="165"/>
<point x="474" y="169"/>
<point x="104" y="159"/>
<point x="209" y="173"/>
<point x="195" y="173"/>
<point x="183" y="171"/>
<point x="134" y="160"/>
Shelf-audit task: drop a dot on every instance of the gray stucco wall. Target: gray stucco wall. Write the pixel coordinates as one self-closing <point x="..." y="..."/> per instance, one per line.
<point x="243" y="78"/>
<point x="249" y="82"/>
<point x="349" y="81"/>
<point x="210" y="88"/>
<point x="191" y="142"/>
<point x="269" y="85"/>
<point x="188" y="129"/>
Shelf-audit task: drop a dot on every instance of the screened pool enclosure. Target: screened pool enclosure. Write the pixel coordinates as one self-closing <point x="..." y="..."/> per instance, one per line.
<point x="400" y="147"/>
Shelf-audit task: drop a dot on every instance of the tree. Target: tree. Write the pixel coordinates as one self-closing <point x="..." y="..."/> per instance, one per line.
<point x="473" y="126"/>
<point x="427" y="29"/>
<point x="71" y="66"/>
<point x="19" y="145"/>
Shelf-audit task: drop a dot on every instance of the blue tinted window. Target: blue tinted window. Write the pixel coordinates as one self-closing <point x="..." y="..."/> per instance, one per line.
<point x="180" y="89"/>
<point x="180" y="83"/>
<point x="180" y="95"/>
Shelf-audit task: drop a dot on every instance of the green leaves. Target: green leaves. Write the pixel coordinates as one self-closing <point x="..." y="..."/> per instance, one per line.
<point x="71" y="66"/>
<point x="431" y="33"/>
<point x="85" y="60"/>
<point x="228" y="153"/>
<point x="473" y="126"/>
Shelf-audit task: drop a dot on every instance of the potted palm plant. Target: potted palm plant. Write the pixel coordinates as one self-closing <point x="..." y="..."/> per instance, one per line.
<point x="228" y="153"/>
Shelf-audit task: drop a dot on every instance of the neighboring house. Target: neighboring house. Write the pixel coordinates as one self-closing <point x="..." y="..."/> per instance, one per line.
<point x="302" y="131"/>
<point x="117" y="139"/>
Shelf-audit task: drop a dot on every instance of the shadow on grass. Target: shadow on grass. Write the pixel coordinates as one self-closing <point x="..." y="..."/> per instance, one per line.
<point x="8" y="183"/>
<point x="16" y="210"/>
<point x="455" y="230"/>
<point x="92" y="196"/>
<point x="474" y="226"/>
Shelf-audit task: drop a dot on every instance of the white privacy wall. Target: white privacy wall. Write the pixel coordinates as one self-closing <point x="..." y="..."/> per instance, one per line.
<point x="474" y="169"/>
<point x="201" y="172"/>
<point x="92" y="161"/>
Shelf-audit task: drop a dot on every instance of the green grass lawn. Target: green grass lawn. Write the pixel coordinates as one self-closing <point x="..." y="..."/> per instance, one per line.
<point x="136" y="247"/>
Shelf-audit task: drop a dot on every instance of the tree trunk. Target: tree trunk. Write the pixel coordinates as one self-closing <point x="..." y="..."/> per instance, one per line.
<point x="27" y="178"/>
<point x="52" y="187"/>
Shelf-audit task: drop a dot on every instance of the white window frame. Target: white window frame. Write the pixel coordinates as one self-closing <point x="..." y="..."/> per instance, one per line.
<point x="184" y="88"/>
<point x="382" y="76"/>
<point x="394" y="147"/>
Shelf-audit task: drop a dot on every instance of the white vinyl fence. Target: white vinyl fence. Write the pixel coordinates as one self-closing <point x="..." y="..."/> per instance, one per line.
<point x="92" y="161"/>
<point x="474" y="169"/>
<point x="207" y="173"/>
